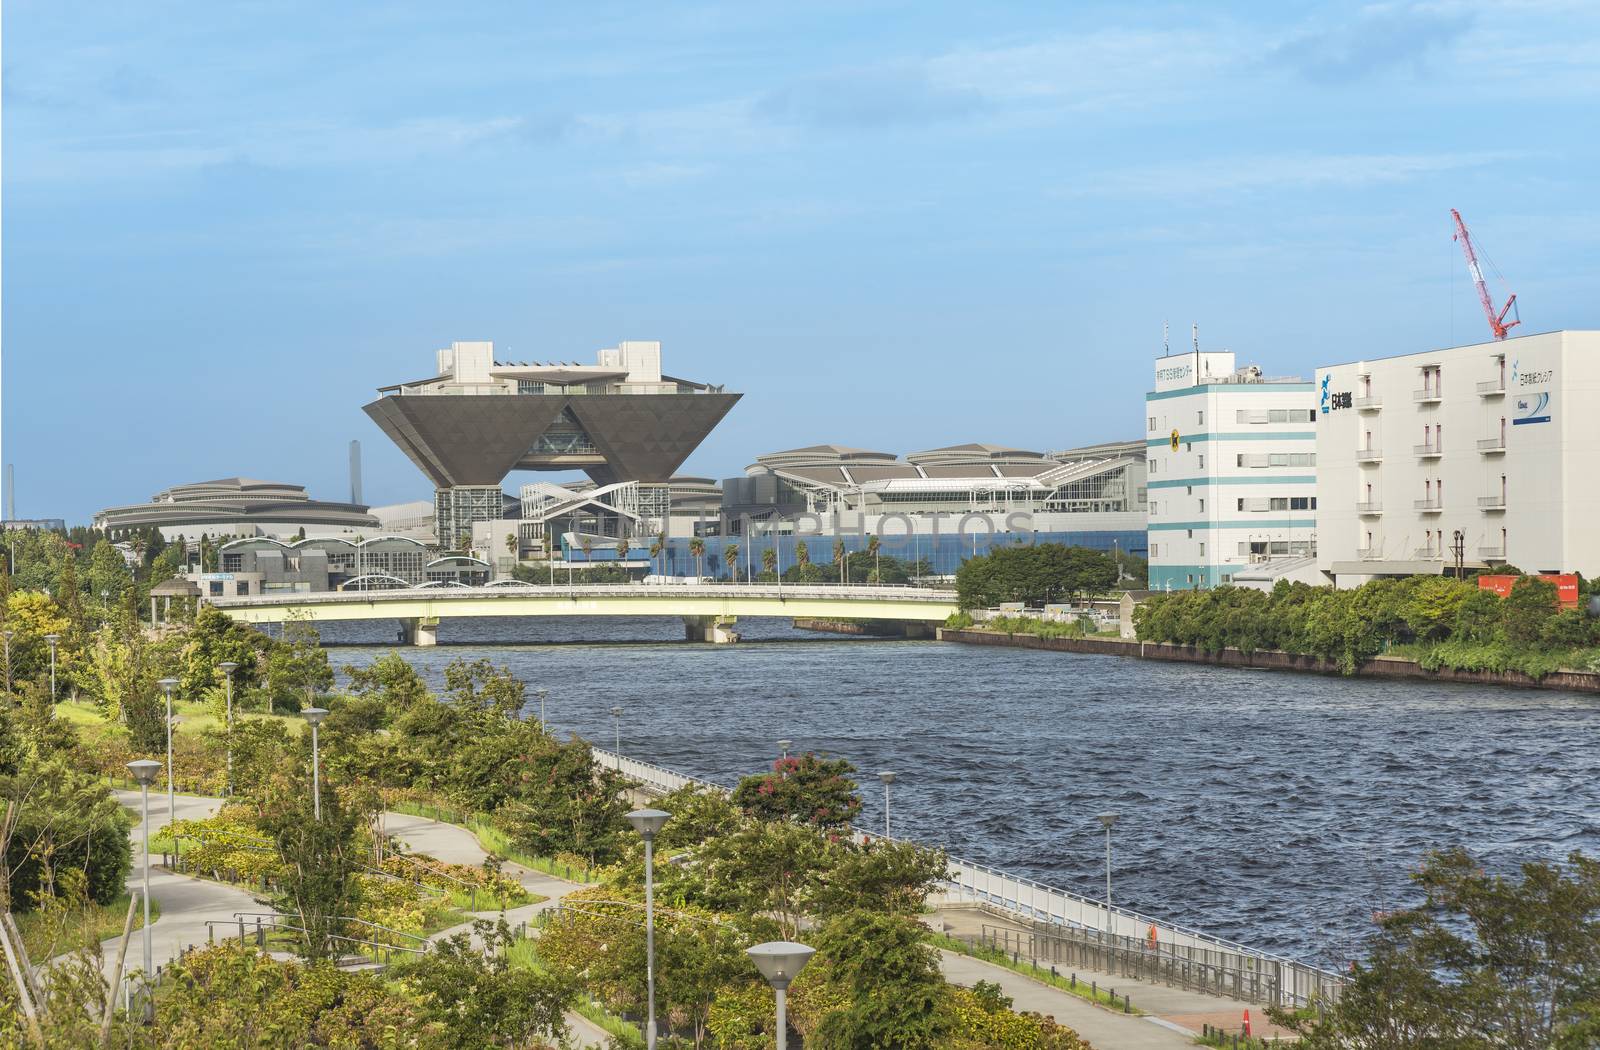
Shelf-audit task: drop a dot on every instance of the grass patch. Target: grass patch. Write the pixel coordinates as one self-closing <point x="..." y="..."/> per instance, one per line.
<point x="46" y="934"/>
<point x="524" y="953"/>
<point x="1081" y="989"/>
<point x="493" y="840"/>
<point x="196" y="716"/>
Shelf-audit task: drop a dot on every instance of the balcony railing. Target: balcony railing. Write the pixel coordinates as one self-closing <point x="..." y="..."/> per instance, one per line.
<point x="1493" y="388"/>
<point x="1492" y="445"/>
<point x="1370" y="507"/>
<point x="1429" y="506"/>
<point x="1368" y="404"/>
<point x="1369" y="455"/>
<point x="1492" y="502"/>
<point x="1427" y="553"/>
<point x="1369" y="553"/>
<point x="1428" y="451"/>
<point x="1427" y="397"/>
<point x="1492" y="553"/>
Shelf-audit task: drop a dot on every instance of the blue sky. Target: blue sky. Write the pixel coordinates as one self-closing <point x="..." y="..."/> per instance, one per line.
<point x="895" y="225"/>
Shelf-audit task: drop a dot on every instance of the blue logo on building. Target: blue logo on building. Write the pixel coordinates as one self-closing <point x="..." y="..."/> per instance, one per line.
<point x="1536" y="411"/>
<point x="1325" y="381"/>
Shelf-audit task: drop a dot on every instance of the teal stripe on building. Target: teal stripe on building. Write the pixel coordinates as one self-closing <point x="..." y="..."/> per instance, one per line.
<point x="1230" y="388"/>
<point x="1282" y="435"/>
<point x="1258" y="523"/>
<point x="1178" y="483"/>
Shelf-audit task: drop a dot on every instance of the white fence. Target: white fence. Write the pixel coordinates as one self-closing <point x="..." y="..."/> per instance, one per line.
<point x="1294" y="983"/>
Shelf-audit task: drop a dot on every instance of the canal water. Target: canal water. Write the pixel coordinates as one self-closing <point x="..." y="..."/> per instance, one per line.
<point x="1279" y="810"/>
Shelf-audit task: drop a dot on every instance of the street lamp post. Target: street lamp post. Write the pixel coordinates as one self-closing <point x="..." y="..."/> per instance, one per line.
<point x="647" y="822"/>
<point x="543" y="726"/>
<point x="315" y="715"/>
<point x="1108" y="819"/>
<point x="52" y="639"/>
<point x="784" y="744"/>
<point x="105" y="602"/>
<point x="144" y="771"/>
<point x="228" y="667"/>
<point x="167" y="686"/>
<point x="887" y="778"/>
<point x="780" y="962"/>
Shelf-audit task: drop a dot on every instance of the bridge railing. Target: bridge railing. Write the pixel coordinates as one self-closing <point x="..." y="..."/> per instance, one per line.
<point x="1294" y="982"/>
<point x="882" y="592"/>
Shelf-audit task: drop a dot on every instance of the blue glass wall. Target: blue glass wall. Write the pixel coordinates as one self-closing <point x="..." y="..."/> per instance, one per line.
<point x="945" y="553"/>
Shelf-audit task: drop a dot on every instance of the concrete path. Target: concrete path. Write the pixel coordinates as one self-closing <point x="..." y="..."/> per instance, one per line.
<point x="1186" y="1009"/>
<point x="1101" y="1027"/>
<point x="185" y="903"/>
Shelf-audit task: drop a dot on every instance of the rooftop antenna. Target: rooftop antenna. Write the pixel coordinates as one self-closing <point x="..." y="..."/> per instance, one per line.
<point x="1166" y="340"/>
<point x="1194" y="332"/>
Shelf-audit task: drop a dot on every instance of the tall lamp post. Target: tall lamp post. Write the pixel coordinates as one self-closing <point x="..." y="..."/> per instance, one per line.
<point x="228" y="667"/>
<point x="780" y="962"/>
<point x="52" y="639"/>
<point x="167" y="686"/>
<point x="315" y="715"/>
<point x="785" y="744"/>
<point x="1108" y="819"/>
<point x="887" y="778"/>
<point x="543" y="726"/>
<point x="647" y="822"/>
<point x="144" y="771"/>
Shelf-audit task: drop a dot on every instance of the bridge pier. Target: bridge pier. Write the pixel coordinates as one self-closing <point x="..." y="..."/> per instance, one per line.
<point x="420" y="632"/>
<point x="718" y="630"/>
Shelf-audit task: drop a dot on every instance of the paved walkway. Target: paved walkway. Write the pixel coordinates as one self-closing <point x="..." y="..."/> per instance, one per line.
<point x="1178" y="1007"/>
<point x="186" y="902"/>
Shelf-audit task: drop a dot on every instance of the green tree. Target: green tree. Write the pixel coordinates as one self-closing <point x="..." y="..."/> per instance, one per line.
<point x="108" y="573"/>
<point x="730" y="554"/>
<point x="889" y="978"/>
<point x="697" y="549"/>
<point x="1485" y="961"/>
<point x="322" y="858"/>
<point x="769" y="561"/>
<point x="1529" y="607"/>
<point x="802" y="553"/>
<point x="893" y="878"/>
<point x="479" y="998"/>
<point x="804" y="787"/>
<point x="67" y="829"/>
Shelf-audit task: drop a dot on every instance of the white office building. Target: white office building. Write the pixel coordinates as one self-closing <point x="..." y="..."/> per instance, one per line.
<point x="1487" y="454"/>
<point x="1232" y="472"/>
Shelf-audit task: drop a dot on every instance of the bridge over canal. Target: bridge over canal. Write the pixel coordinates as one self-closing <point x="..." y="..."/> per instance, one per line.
<point x="707" y="610"/>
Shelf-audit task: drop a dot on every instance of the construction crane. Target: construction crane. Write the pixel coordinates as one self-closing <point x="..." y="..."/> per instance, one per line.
<point x="1497" y="322"/>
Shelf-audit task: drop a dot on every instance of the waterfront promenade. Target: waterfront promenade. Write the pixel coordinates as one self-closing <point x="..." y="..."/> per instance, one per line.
<point x="188" y="902"/>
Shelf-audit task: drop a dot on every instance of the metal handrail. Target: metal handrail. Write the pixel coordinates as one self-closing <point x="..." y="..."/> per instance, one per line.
<point x="965" y="875"/>
<point x="897" y="591"/>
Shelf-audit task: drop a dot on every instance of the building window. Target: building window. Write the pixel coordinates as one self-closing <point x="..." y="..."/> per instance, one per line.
<point x="1203" y="455"/>
<point x="1155" y="549"/>
<point x="1200" y="418"/>
<point x="1302" y="503"/>
<point x="1227" y="577"/>
<point x="1152" y="424"/>
<point x="1202" y="505"/>
<point x="1189" y="534"/>
<point x="1202" y="549"/>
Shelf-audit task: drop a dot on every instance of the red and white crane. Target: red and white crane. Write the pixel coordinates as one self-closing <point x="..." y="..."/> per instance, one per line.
<point x="1497" y="322"/>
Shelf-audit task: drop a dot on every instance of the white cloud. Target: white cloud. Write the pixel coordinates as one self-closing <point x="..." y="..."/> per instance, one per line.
<point x="1294" y="171"/>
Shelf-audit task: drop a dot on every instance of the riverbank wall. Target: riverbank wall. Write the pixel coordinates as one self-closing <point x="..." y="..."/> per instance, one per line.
<point x="863" y="628"/>
<point x="1274" y="660"/>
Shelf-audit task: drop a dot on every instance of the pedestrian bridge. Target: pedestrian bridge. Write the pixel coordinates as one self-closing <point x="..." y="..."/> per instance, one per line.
<point x="706" y="609"/>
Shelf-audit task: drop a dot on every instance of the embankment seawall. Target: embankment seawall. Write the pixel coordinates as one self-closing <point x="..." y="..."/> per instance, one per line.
<point x="1273" y="660"/>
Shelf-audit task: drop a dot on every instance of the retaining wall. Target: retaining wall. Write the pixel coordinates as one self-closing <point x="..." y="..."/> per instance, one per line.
<point x="1274" y="660"/>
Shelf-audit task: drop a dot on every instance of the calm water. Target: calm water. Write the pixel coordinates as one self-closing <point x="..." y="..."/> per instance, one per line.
<point x="1279" y="810"/>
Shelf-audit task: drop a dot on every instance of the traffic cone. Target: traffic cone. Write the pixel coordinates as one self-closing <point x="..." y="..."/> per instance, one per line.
<point x="1247" y="1024"/>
